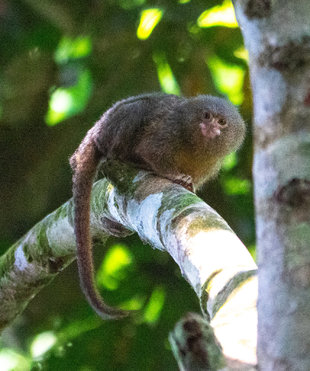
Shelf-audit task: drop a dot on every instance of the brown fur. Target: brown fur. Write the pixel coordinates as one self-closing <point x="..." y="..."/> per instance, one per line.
<point x="182" y="139"/>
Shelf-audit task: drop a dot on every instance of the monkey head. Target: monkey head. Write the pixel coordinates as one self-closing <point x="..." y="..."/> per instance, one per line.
<point x="212" y="124"/>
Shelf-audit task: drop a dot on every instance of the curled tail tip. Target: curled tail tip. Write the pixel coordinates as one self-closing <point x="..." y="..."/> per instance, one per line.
<point x="114" y="313"/>
<point x="93" y="297"/>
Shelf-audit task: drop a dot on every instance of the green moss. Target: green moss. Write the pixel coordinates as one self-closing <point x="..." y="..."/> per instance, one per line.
<point x="179" y="201"/>
<point x="41" y="246"/>
<point x="121" y="175"/>
<point x="235" y="283"/>
<point x="7" y="260"/>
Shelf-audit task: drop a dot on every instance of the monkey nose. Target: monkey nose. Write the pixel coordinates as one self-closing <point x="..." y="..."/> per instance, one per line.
<point x="209" y="130"/>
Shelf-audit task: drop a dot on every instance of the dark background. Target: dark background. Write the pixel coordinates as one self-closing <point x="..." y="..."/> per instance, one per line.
<point x="62" y="64"/>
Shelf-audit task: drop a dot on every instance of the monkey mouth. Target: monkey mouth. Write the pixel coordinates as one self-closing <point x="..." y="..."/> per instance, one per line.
<point x="209" y="130"/>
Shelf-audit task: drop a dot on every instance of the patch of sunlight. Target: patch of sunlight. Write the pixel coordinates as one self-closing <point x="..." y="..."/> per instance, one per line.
<point x="114" y="267"/>
<point x="67" y="102"/>
<point x="134" y="303"/>
<point x="242" y="53"/>
<point x="155" y="305"/>
<point x="110" y="188"/>
<point x="220" y="15"/>
<point x="230" y="161"/>
<point x="10" y="360"/>
<point x="69" y="48"/>
<point x="76" y="328"/>
<point x="243" y="296"/>
<point x="129" y="4"/>
<point x="184" y="1"/>
<point x="61" y="100"/>
<point x="228" y="78"/>
<point x="166" y="78"/>
<point x="236" y="186"/>
<point x="148" y="20"/>
<point x="42" y="343"/>
<point x="224" y="247"/>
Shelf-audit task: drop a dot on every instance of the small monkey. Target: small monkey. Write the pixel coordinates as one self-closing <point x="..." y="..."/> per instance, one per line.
<point x="182" y="139"/>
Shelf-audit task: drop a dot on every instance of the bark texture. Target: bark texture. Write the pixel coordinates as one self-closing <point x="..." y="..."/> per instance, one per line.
<point x="277" y="36"/>
<point x="168" y="217"/>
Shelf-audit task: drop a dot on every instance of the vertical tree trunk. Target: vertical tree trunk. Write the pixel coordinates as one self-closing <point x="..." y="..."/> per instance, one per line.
<point x="277" y="35"/>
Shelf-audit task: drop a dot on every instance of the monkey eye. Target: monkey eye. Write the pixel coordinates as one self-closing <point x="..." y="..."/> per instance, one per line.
<point x="207" y="115"/>
<point x="222" y="122"/>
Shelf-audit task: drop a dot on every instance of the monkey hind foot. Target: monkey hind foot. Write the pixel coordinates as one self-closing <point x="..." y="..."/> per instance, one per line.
<point x="185" y="181"/>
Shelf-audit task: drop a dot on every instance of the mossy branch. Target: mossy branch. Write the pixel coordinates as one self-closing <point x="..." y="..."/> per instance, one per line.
<point x="168" y="217"/>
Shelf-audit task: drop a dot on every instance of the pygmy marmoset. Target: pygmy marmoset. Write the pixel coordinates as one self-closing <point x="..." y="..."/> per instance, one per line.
<point x="183" y="139"/>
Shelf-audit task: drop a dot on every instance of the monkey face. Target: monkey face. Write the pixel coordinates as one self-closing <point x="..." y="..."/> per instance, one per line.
<point x="212" y="126"/>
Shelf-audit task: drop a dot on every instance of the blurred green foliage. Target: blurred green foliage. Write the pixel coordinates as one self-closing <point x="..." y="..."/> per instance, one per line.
<point x="113" y="267"/>
<point x="148" y="21"/>
<point x="62" y="65"/>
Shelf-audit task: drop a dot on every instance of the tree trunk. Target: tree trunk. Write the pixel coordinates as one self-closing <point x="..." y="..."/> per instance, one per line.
<point x="277" y="35"/>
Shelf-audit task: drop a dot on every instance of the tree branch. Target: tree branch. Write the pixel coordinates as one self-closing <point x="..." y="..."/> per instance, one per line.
<point x="168" y="217"/>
